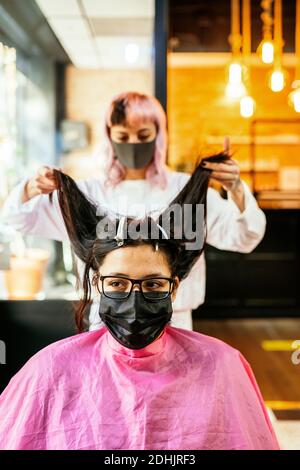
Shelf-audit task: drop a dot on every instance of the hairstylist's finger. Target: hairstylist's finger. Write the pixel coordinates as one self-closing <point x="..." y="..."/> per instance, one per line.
<point x="46" y="178"/>
<point x="42" y="189"/>
<point x="48" y="171"/>
<point x="45" y="182"/>
<point x="233" y="162"/>
<point x="223" y="176"/>
<point x="227" y="145"/>
<point x="230" y="161"/>
<point x="56" y="168"/>
<point x="45" y="171"/>
<point x="45" y="189"/>
<point x="221" y="167"/>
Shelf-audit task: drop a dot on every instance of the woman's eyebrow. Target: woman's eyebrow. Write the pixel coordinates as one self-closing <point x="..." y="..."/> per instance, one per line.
<point x="140" y="130"/>
<point x="148" y="276"/>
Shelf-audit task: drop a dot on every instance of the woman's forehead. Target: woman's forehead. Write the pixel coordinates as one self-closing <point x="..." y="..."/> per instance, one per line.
<point x="134" y="127"/>
<point x="136" y="261"/>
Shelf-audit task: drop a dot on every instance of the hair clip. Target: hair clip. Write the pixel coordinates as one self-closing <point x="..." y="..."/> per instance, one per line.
<point x="162" y="231"/>
<point x="119" y="237"/>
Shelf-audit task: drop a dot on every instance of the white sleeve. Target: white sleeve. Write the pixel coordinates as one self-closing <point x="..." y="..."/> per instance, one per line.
<point x="39" y="216"/>
<point x="230" y="229"/>
<point x="191" y="290"/>
<point x="36" y="216"/>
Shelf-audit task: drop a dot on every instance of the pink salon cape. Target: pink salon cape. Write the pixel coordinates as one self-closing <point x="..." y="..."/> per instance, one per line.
<point x="184" y="391"/>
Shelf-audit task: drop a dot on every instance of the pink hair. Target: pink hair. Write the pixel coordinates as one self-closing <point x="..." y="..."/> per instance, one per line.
<point x="139" y="108"/>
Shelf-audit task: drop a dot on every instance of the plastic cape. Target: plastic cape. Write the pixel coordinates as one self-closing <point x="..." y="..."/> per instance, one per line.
<point x="183" y="391"/>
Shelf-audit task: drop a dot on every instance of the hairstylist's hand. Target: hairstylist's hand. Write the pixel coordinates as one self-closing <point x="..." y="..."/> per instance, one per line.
<point x="42" y="183"/>
<point x="228" y="174"/>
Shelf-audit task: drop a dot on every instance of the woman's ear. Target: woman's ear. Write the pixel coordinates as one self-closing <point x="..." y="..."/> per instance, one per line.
<point x="95" y="281"/>
<point x="175" y="287"/>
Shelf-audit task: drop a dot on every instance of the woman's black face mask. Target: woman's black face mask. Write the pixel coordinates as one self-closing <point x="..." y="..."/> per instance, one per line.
<point x="135" y="322"/>
<point x="134" y="155"/>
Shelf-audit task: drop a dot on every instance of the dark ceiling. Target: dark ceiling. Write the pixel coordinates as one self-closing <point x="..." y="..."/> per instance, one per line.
<point x="204" y="26"/>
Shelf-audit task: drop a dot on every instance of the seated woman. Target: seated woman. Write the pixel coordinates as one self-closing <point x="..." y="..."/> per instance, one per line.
<point x="137" y="382"/>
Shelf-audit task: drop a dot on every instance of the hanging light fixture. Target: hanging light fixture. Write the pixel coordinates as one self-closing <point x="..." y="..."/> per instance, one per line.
<point x="294" y="96"/>
<point x="235" y="88"/>
<point x="267" y="52"/>
<point x="277" y="80"/>
<point x="247" y="103"/>
<point x="277" y="77"/>
<point x="235" y="73"/>
<point x="247" y="106"/>
<point x="266" y="47"/>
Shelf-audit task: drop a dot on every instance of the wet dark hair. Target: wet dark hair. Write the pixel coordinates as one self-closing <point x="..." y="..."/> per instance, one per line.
<point x="81" y="216"/>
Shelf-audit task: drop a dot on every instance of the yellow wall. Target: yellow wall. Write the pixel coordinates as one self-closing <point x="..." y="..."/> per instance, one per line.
<point x="199" y="117"/>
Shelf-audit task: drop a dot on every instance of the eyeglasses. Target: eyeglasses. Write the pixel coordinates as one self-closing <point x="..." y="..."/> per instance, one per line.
<point x="120" y="288"/>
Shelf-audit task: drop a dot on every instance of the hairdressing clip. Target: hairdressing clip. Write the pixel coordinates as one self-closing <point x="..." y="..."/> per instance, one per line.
<point x="164" y="234"/>
<point x="119" y="237"/>
<point x="162" y="231"/>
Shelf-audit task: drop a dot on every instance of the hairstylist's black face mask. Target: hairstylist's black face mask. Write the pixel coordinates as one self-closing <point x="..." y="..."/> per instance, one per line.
<point x="136" y="321"/>
<point x="136" y="155"/>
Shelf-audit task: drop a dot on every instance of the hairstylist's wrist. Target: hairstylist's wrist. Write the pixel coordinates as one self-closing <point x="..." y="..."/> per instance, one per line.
<point x="30" y="190"/>
<point x="238" y="194"/>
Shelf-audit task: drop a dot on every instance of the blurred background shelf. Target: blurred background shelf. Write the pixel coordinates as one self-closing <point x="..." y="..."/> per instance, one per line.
<point x="264" y="282"/>
<point x="28" y="326"/>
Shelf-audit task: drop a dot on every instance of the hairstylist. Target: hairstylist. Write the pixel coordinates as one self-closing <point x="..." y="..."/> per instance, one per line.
<point x="136" y="180"/>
